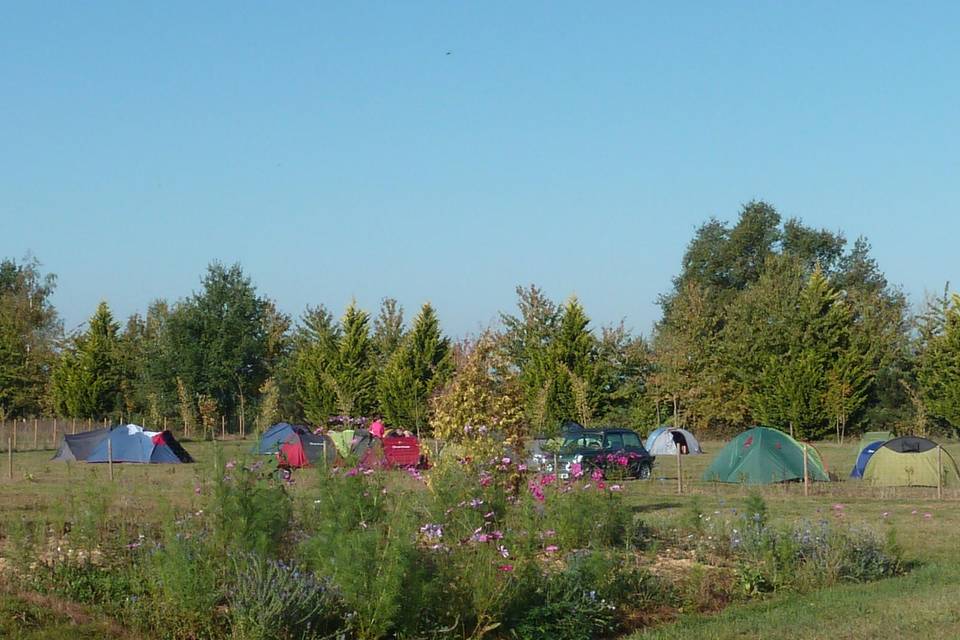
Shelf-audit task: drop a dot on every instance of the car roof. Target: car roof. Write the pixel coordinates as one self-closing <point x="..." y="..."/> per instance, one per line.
<point x="600" y="431"/>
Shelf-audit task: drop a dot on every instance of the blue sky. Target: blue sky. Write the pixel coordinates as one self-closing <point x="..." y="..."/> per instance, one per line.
<point x="337" y="151"/>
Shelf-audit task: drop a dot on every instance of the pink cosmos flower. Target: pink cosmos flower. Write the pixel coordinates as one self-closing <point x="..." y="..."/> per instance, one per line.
<point x="838" y="506"/>
<point x="506" y="568"/>
<point x="615" y="487"/>
<point x="503" y="551"/>
<point x="576" y="469"/>
<point x="928" y="515"/>
<point x="597" y="475"/>
<point x="547" y="479"/>
<point x="601" y="485"/>
<point x="551" y="548"/>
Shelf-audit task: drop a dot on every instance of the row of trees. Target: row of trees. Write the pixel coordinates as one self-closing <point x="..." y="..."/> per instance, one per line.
<point x="768" y="322"/>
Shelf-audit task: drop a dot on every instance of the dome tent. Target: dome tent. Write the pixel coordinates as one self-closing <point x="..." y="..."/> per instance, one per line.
<point x="123" y="443"/>
<point x="296" y="445"/>
<point x="910" y="461"/>
<point x="664" y="440"/>
<point x="763" y="455"/>
<point x="864" y="457"/>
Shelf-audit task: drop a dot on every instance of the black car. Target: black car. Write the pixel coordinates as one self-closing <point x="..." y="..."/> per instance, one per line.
<point x="605" y="449"/>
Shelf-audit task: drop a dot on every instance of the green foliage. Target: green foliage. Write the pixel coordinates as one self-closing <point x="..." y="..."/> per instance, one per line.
<point x="222" y="341"/>
<point x="776" y="326"/>
<point x="482" y="404"/>
<point x="417" y="370"/>
<point x="272" y="600"/>
<point x="334" y="365"/>
<point x="251" y="512"/>
<point x="87" y="378"/>
<point x="29" y="328"/>
<point x="939" y="367"/>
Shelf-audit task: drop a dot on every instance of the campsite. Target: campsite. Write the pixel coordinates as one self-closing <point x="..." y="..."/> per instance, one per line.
<point x="140" y="497"/>
<point x="479" y="321"/>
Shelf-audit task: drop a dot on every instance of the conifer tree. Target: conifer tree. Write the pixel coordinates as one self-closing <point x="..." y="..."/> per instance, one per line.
<point x="419" y="367"/>
<point x="86" y="379"/>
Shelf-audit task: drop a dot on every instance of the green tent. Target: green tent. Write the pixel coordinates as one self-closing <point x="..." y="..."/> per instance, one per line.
<point x="342" y="441"/>
<point x="873" y="436"/>
<point x="762" y="455"/>
<point x="910" y="462"/>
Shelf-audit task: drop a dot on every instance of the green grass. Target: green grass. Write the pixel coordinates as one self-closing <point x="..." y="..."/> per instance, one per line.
<point x="923" y="604"/>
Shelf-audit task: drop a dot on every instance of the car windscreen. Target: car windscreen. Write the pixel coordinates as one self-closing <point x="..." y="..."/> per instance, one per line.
<point x="582" y="441"/>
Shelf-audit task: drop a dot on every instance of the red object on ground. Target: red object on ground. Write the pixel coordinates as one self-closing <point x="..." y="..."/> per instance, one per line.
<point x="377" y="429"/>
<point x="401" y="452"/>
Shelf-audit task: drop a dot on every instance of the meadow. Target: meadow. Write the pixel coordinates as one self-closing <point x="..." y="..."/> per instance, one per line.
<point x="919" y="603"/>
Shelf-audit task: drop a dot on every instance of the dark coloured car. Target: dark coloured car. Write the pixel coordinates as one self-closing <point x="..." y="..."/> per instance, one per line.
<point x="605" y="449"/>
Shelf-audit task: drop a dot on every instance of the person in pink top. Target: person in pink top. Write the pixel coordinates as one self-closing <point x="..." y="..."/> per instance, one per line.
<point x="377" y="428"/>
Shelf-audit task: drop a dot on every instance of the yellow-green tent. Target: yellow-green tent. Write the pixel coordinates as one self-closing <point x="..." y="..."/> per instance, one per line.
<point x="910" y="461"/>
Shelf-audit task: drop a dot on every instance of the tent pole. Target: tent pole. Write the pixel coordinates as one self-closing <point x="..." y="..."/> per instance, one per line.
<point x="806" y="475"/>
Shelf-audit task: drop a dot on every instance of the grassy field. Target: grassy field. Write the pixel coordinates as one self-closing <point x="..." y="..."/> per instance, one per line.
<point x="924" y="603"/>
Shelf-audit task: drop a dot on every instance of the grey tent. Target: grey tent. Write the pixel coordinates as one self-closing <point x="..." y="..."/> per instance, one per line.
<point x="79" y="446"/>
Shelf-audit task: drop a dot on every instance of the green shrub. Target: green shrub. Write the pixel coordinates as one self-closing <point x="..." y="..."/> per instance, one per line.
<point x="272" y="600"/>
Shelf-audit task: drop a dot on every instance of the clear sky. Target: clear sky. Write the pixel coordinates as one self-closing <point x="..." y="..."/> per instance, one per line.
<point x="450" y="151"/>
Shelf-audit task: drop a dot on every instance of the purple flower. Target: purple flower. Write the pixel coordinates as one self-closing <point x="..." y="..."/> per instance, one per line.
<point x="432" y="531"/>
<point x="503" y="551"/>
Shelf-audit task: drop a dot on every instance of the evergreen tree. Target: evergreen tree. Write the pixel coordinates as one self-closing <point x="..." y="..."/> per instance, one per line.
<point x="334" y="365"/>
<point x="939" y="368"/>
<point x="419" y="368"/>
<point x="388" y="330"/>
<point x="87" y="379"/>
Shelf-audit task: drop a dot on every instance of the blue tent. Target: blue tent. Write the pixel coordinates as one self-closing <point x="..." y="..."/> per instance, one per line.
<point x="131" y="443"/>
<point x="275" y="436"/>
<point x="864" y="458"/>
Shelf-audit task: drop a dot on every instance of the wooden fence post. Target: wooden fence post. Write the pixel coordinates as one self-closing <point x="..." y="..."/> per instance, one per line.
<point x="806" y="476"/>
<point x="223" y="427"/>
<point x="54" y="445"/>
<point x="10" y="456"/>
<point x="35" y="434"/>
<point x="679" y="472"/>
<point x="939" y="472"/>
<point x="15" y="433"/>
<point x="110" y="457"/>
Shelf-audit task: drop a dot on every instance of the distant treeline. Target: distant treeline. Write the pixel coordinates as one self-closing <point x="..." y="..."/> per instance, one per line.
<point x="767" y="322"/>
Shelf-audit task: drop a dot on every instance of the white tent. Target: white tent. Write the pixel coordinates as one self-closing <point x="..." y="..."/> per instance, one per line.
<point x="663" y="442"/>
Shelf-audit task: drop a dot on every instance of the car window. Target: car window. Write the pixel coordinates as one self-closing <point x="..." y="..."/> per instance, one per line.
<point x="631" y="440"/>
<point x="586" y="441"/>
<point x="614" y="442"/>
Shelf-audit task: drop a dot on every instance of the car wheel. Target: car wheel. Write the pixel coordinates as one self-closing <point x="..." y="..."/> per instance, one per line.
<point x="644" y="471"/>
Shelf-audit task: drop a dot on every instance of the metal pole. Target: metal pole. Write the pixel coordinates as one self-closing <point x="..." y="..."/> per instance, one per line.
<point x="110" y="457"/>
<point x="806" y="476"/>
